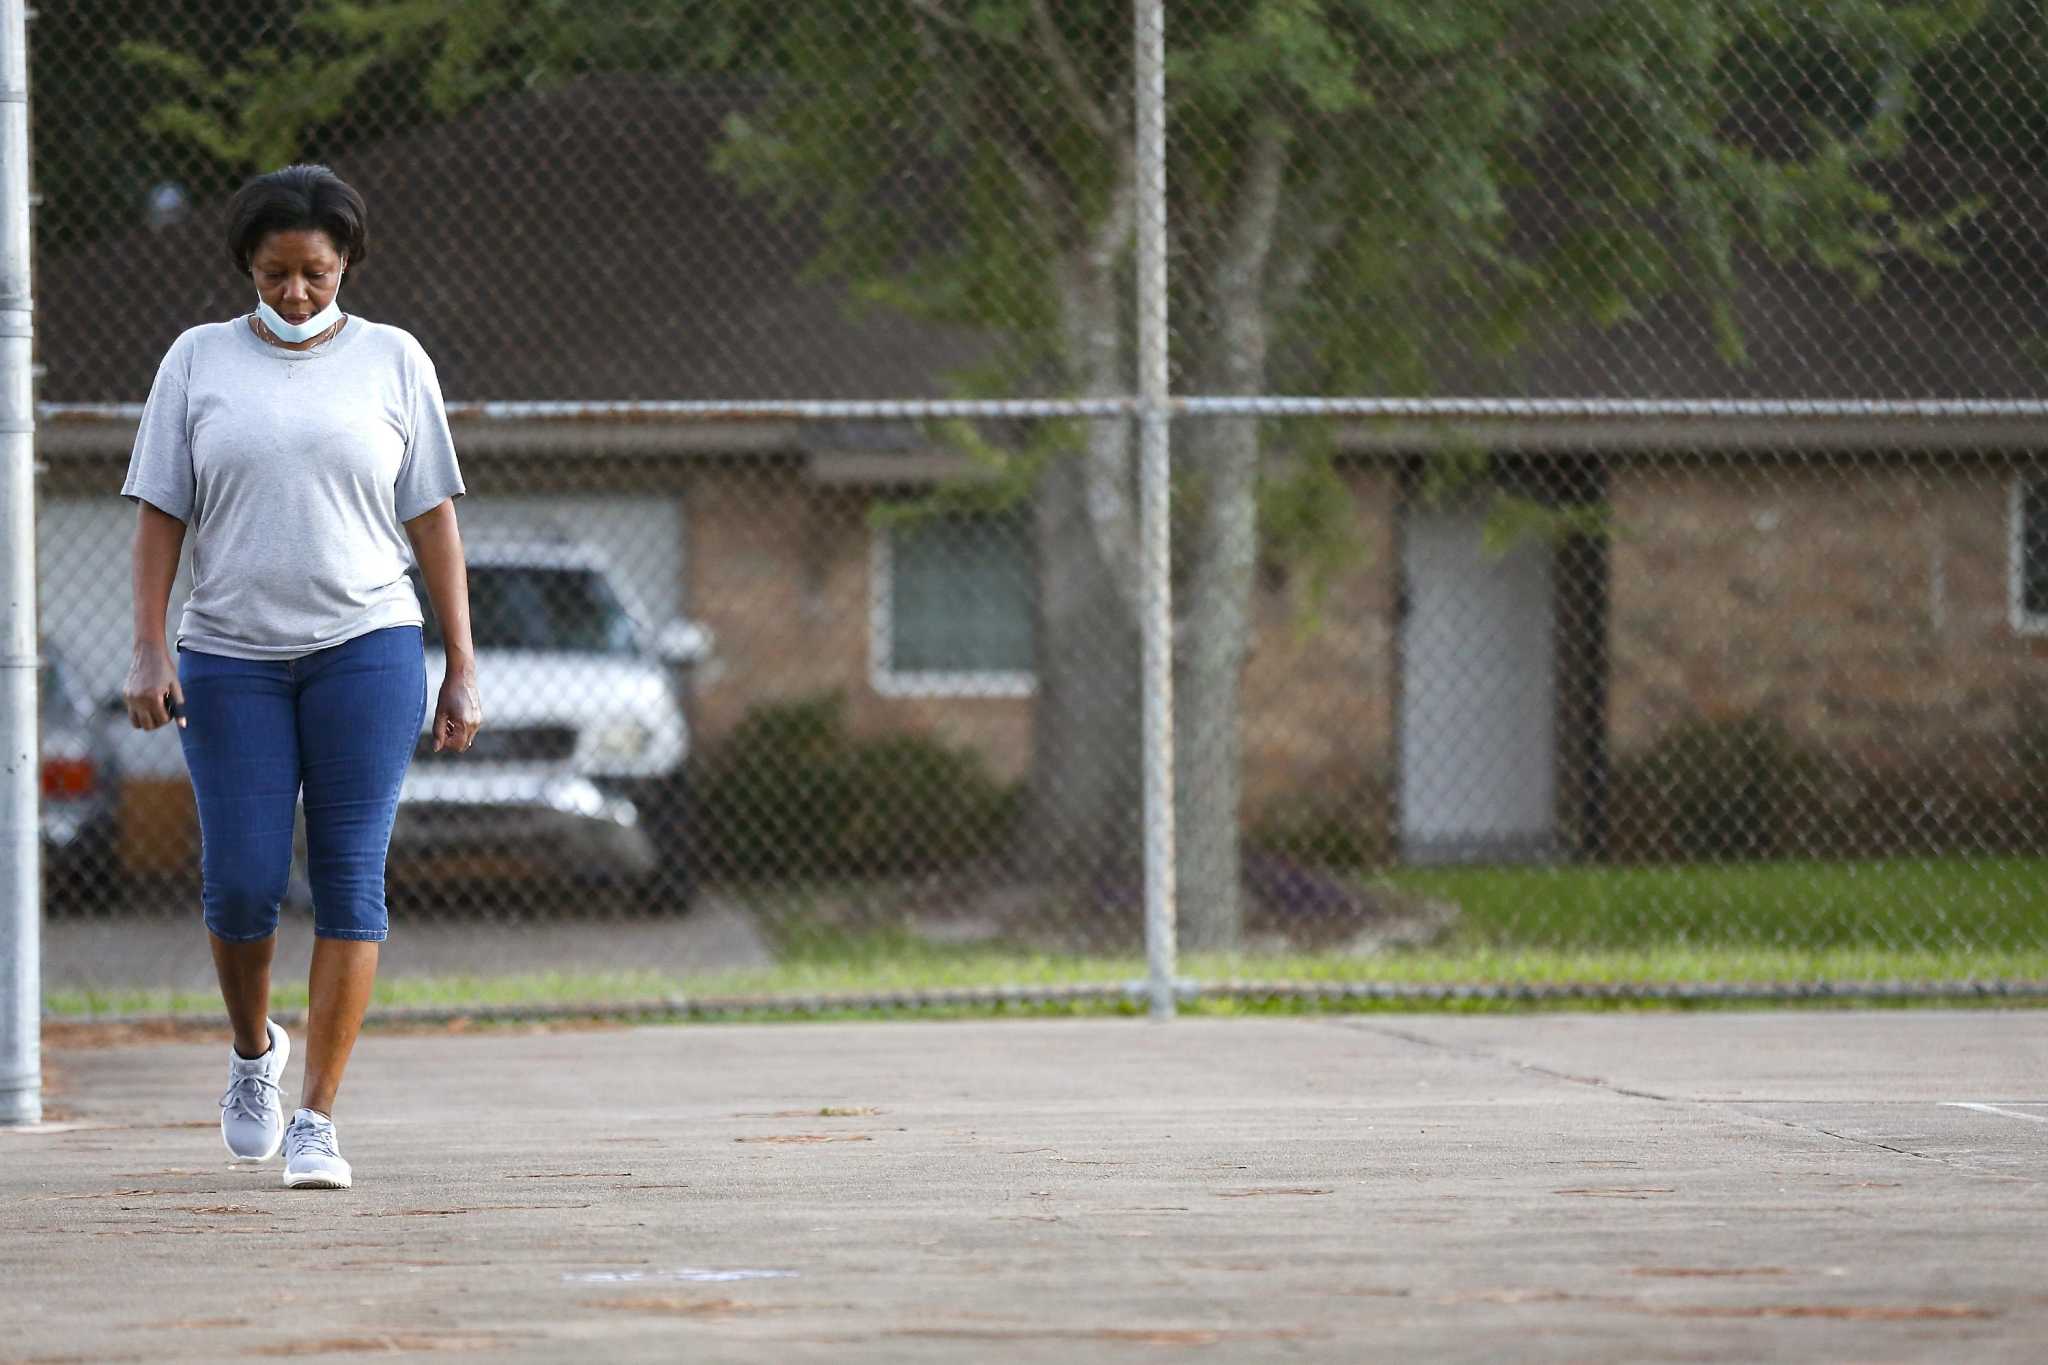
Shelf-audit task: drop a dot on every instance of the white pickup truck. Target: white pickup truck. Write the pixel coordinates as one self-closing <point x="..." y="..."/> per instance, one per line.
<point x="578" y="773"/>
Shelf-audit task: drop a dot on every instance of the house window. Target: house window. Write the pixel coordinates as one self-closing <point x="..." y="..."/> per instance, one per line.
<point x="2030" y="554"/>
<point x="952" y="609"/>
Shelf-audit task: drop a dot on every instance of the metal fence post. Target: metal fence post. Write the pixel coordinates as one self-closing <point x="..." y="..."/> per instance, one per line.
<point x="21" y="1082"/>
<point x="1154" y="504"/>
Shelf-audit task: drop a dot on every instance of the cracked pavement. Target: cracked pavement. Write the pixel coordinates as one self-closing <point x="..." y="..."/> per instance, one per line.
<point x="1720" y="1185"/>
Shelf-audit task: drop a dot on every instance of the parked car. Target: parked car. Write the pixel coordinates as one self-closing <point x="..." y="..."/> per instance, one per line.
<point x="579" y="769"/>
<point x="80" y="778"/>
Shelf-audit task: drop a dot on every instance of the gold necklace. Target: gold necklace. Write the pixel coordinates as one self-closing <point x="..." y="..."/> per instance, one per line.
<point x="263" y="330"/>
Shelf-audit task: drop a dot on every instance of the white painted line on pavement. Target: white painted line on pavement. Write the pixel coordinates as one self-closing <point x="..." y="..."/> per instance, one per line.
<point x="1994" y="1109"/>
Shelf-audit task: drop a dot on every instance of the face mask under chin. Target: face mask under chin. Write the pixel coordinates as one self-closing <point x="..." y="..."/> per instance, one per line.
<point x="304" y="331"/>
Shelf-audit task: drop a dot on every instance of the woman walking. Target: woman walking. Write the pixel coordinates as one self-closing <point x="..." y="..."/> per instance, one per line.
<point x="302" y="449"/>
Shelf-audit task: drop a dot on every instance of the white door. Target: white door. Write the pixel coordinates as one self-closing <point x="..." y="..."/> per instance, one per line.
<point x="1478" y="774"/>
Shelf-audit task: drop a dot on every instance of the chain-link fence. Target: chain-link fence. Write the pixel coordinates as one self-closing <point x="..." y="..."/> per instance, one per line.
<point x="1609" y="524"/>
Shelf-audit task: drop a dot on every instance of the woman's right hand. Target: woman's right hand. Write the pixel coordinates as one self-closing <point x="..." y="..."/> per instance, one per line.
<point x="151" y="688"/>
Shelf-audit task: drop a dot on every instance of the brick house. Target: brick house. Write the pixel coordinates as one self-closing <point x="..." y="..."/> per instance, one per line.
<point x="1877" y="589"/>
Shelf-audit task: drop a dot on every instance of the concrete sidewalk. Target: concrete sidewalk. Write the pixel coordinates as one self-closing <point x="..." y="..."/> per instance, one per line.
<point x="1717" y="1186"/>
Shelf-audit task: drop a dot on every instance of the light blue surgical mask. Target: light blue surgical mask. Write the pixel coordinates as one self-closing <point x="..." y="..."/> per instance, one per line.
<point x="304" y="331"/>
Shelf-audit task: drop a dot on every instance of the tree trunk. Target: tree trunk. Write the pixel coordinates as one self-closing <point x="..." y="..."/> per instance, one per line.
<point x="1209" y="652"/>
<point x="1086" y="781"/>
<point x="1217" y="524"/>
<point x="1081" y="825"/>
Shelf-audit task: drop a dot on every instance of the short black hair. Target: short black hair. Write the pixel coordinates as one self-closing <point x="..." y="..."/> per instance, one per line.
<point x="292" y="199"/>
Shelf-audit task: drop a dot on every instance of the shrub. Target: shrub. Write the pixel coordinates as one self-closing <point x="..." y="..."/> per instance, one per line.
<point x="1350" y="829"/>
<point x="790" y="793"/>
<point x="913" y="805"/>
<point x="770" y="786"/>
<point x="1742" y="789"/>
<point x="1715" y="790"/>
<point x="1940" y="806"/>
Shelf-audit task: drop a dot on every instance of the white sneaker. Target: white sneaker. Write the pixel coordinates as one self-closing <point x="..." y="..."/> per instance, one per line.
<point x="252" y="1112"/>
<point x="312" y="1155"/>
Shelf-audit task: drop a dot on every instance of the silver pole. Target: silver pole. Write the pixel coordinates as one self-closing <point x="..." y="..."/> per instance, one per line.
<point x="1154" y="505"/>
<point x="21" y="1075"/>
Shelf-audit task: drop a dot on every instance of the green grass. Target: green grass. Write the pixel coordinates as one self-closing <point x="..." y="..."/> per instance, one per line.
<point x="1893" y="921"/>
<point x="1940" y="905"/>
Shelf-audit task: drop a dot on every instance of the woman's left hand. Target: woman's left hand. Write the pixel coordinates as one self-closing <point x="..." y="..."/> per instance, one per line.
<point x="460" y="713"/>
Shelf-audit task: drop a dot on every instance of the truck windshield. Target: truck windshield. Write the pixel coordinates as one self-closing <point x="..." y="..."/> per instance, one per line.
<point x="534" y="608"/>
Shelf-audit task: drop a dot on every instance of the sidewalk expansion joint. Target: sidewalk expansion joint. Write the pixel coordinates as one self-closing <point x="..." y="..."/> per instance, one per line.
<point x="1725" y="1108"/>
<point x="1533" y="1068"/>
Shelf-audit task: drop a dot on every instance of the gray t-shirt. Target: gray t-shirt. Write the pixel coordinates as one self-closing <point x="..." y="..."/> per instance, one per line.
<point x="295" y="472"/>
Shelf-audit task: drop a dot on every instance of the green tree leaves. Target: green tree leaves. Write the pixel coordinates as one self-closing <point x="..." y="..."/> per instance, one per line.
<point x="1458" y="176"/>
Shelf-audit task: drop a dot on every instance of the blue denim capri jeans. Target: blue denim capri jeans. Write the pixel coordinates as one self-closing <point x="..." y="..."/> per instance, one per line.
<point x="339" y="724"/>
